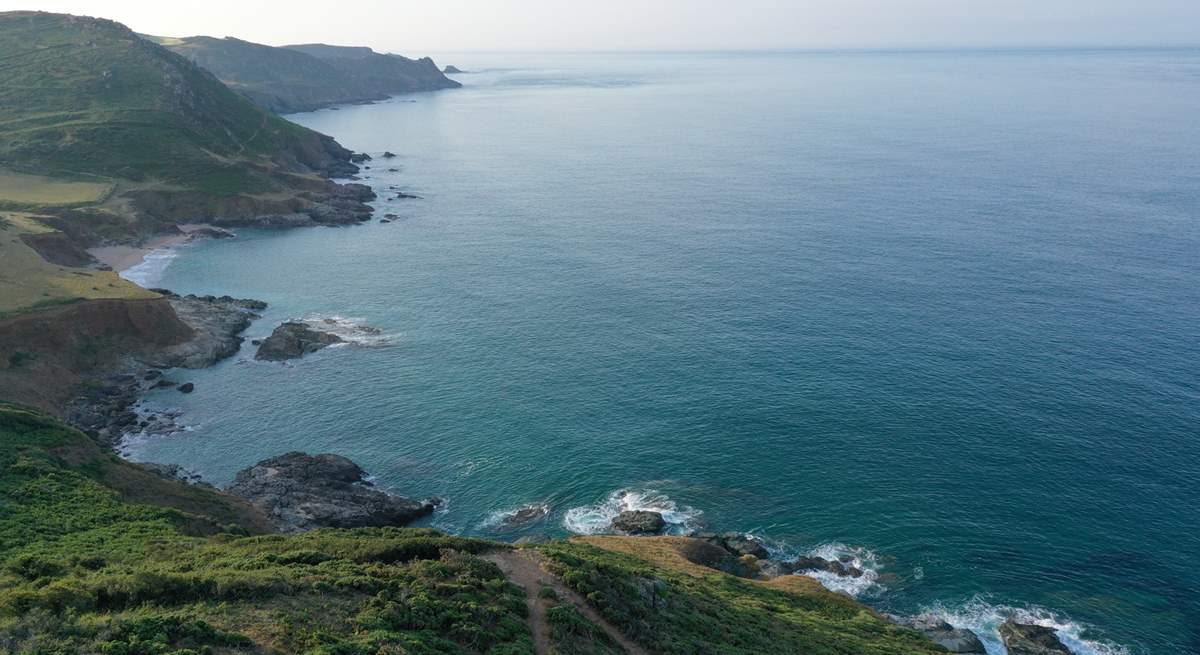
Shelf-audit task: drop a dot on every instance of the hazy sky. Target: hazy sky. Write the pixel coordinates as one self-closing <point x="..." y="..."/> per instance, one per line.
<point x="449" y="25"/>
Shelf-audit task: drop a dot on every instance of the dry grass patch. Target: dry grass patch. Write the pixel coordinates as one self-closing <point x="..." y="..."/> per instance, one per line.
<point x="36" y="190"/>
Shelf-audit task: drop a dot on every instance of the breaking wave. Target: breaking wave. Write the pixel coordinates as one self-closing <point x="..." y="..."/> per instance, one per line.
<point x="984" y="618"/>
<point x="517" y="518"/>
<point x="597" y="519"/>
<point x="856" y="556"/>
<point x="149" y="272"/>
<point x="350" y="329"/>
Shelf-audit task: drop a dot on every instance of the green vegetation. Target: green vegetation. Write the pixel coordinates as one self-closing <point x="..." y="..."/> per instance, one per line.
<point x="86" y="570"/>
<point x="674" y="611"/>
<point x="29" y="282"/>
<point x="82" y="96"/>
<point x="302" y="78"/>
<point x="98" y="555"/>
<point x="36" y="191"/>
<point x="571" y="633"/>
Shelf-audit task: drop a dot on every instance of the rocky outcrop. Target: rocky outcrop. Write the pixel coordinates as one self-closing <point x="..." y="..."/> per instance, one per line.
<point x="525" y="515"/>
<point x="634" y="522"/>
<point x="292" y="340"/>
<point x="1028" y="639"/>
<point x="451" y="70"/>
<point x="302" y="492"/>
<point x="736" y="544"/>
<point x="208" y="329"/>
<point x="836" y="567"/>
<point x="955" y="640"/>
<point x="217" y="322"/>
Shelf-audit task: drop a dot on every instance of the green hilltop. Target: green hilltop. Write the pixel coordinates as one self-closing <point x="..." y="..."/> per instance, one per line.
<point x="98" y="555"/>
<point x="307" y="77"/>
<point x="87" y="98"/>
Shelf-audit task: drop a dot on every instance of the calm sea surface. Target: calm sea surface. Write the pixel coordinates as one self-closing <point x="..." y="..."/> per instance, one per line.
<point x="940" y="311"/>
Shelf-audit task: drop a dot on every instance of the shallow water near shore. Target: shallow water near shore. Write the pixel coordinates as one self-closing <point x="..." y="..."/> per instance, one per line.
<point x="938" y="311"/>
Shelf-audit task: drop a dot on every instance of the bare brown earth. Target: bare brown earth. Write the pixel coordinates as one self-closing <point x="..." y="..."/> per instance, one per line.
<point x="524" y="569"/>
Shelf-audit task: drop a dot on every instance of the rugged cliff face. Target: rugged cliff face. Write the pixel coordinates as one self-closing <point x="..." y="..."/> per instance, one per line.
<point x="45" y="354"/>
<point x="308" y="77"/>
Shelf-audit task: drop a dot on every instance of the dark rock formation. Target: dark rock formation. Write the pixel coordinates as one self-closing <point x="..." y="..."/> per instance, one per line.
<point x="302" y="492"/>
<point x="524" y="516"/>
<point x="833" y="566"/>
<point x="187" y="387"/>
<point x="388" y="154"/>
<point x="294" y="339"/>
<point x="451" y="70"/>
<point x="636" y="522"/>
<point x="218" y="323"/>
<point x="736" y="544"/>
<point x="1026" y="639"/>
<point x="955" y="640"/>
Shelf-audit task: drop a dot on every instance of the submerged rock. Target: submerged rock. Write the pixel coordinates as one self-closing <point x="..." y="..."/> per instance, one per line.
<point x="635" y="522"/>
<point x="301" y="492"/>
<point x="187" y="387"/>
<point x="525" y="515"/>
<point x="955" y="640"/>
<point x="294" y="339"/>
<point x="1028" y="639"/>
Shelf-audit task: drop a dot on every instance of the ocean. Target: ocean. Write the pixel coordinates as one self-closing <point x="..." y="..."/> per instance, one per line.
<point x="939" y="311"/>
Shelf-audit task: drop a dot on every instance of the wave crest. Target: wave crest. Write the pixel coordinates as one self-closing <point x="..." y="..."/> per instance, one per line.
<point x="597" y="519"/>
<point x="984" y="619"/>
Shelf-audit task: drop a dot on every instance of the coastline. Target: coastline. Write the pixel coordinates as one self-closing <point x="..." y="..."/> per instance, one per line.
<point x="121" y="258"/>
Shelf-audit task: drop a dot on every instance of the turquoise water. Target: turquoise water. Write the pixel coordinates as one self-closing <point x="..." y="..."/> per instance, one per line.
<point x="941" y="310"/>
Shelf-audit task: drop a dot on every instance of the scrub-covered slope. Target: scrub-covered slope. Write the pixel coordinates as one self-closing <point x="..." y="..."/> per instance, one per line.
<point x="300" y="78"/>
<point x="100" y="555"/>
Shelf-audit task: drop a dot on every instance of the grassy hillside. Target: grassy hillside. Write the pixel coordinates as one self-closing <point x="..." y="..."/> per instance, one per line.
<point x="29" y="281"/>
<point x="295" y="79"/>
<point x="87" y="99"/>
<point x="100" y="556"/>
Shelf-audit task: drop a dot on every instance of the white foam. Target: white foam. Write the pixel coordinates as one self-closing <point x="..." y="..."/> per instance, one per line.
<point x="860" y="558"/>
<point x="499" y="518"/>
<point x="597" y="519"/>
<point x="351" y="330"/>
<point x="984" y="619"/>
<point x="149" y="272"/>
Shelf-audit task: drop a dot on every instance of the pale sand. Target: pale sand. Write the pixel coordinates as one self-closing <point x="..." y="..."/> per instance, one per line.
<point x="122" y="258"/>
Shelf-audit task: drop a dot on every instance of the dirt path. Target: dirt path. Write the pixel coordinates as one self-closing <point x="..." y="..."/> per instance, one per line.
<point x="524" y="569"/>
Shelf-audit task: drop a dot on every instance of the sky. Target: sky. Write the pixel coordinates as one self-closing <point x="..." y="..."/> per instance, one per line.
<point x="430" y="26"/>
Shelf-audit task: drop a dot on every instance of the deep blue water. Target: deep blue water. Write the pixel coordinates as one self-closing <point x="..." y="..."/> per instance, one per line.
<point x="938" y="309"/>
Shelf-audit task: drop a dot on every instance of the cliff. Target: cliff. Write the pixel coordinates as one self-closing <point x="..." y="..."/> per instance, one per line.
<point x="100" y="555"/>
<point x="307" y="77"/>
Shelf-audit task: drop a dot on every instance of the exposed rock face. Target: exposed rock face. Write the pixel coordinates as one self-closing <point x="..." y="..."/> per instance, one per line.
<point x="218" y="324"/>
<point x="302" y="492"/>
<point x="292" y="340"/>
<point x="451" y="70"/>
<point x="833" y="566"/>
<point x="1025" y="639"/>
<point x="525" y="515"/>
<point x="737" y="544"/>
<point x="635" y="522"/>
<point x="955" y="640"/>
<point x="206" y="330"/>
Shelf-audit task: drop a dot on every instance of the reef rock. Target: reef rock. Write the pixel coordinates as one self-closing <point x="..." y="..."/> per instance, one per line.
<point x="636" y="522"/>
<point x="294" y="339"/>
<point x="737" y="544"/>
<point x="1026" y="639"/>
<point x="808" y="563"/>
<point x="301" y="492"/>
<point x="955" y="640"/>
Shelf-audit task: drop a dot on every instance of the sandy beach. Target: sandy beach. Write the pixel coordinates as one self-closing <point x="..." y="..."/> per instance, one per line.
<point x="122" y="258"/>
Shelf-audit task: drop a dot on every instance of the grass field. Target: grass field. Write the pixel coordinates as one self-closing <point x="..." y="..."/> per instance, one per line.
<point x="36" y="190"/>
<point x="27" y="281"/>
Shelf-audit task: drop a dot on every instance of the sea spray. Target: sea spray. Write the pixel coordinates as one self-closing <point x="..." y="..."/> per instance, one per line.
<point x="597" y="519"/>
<point x="984" y="619"/>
